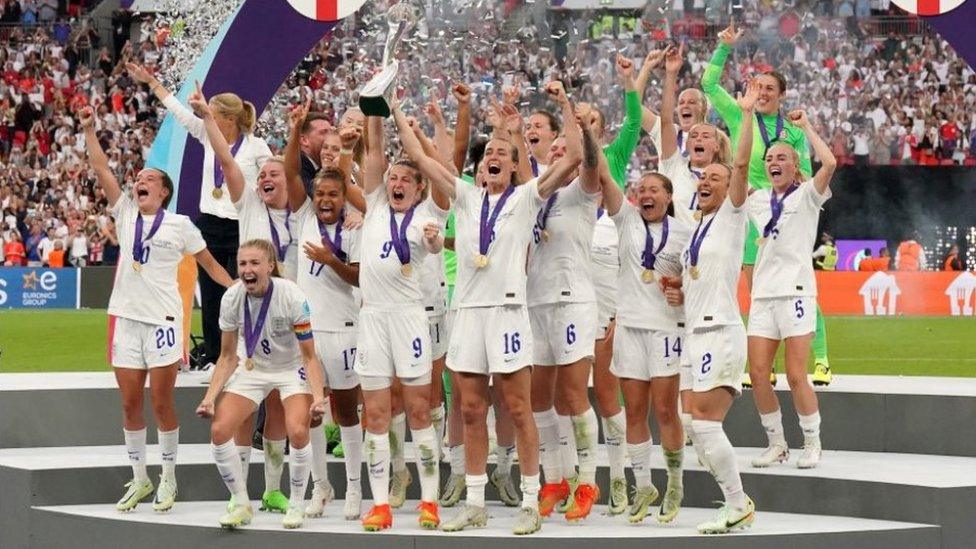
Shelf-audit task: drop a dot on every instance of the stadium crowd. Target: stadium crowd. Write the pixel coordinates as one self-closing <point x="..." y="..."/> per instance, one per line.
<point x="898" y="99"/>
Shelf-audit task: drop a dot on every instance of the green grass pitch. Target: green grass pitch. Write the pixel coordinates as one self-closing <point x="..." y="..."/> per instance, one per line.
<point x="62" y="341"/>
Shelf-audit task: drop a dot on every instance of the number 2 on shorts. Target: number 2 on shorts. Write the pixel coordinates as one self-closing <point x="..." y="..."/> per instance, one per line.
<point x="706" y="363"/>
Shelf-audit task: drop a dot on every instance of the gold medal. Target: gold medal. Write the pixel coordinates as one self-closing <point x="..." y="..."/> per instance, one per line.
<point x="406" y="269"/>
<point x="697" y="215"/>
<point x="480" y="261"/>
<point x="217" y="193"/>
<point x="137" y="267"/>
<point x="647" y="276"/>
<point x="249" y="364"/>
<point x="694" y="272"/>
<point x="545" y="235"/>
<point x="760" y="241"/>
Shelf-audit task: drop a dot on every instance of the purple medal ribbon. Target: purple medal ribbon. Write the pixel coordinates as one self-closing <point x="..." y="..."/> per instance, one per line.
<point x="776" y="207"/>
<point x="282" y="250"/>
<point x="681" y="142"/>
<point x="252" y="333"/>
<point x="218" y="171"/>
<point x="765" y="132"/>
<point x="399" y="235"/>
<point x="696" y="240"/>
<point x="540" y="220"/>
<point x="535" y="166"/>
<point x="488" y="223"/>
<point x="137" y="243"/>
<point x="599" y="212"/>
<point x="694" y="196"/>
<point x="649" y="257"/>
<point x="336" y="244"/>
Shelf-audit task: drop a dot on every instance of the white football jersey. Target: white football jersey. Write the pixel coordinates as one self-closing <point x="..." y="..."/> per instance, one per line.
<point x="685" y="183"/>
<point x="556" y="266"/>
<point x="152" y="294"/>
<point x="433" y="283"/>
<point x="712" y="298"/>
<point x="503" y="280"/>
<point x="287" y="323"/>
<point x="604" y="261"/>
<point x="642" y="305"/>
<point x="380" y="278"/>
<point x="256" y="220"/>
<point x="783" y="266"/>
<point x="334" y="303"/>
<point x="682" y="137"/>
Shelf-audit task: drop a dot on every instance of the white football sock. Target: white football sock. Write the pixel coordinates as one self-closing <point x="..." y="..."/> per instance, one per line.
<point x="299" y="460"/>
<point x="398" y="437"/>
<point x="614" y="433"/>
<point x="530" y="491"/>
<point x="168" y="444"/>
<point x="377" y="448"/>
<point x="549" y="457"/>
<point x="437" y="420"/>
<point x="640" y="462"/>
<point x="244" y="453"/>
<point x="135" y="446"/>
<point x="476" y="489"/>
<point x="352" y="446"/>
<point x="773" y="424"/>
<point x="673" y="460"/>
<point x="720" y="457"/>
<point x="274" y="463"/>
<point x="458" y="464"/>
<point x="427" y="463"/>
<point x="504" y="456"/>
<point x="320" y="453"/>
<point x="229" y="465"/>
<point x="810" y="425"/>
<point x="567" y="446"/>
<point x="585" y="430"/>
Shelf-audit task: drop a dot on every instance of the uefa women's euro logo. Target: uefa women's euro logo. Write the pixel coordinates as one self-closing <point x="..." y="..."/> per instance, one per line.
<point x="326" y="10"/>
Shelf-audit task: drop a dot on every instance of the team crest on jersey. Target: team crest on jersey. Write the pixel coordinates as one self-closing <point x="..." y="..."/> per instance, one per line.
<point x="163" y="244"/>
<point x="280" y="326"/>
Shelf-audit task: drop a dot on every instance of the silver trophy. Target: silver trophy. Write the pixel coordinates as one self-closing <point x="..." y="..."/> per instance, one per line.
<point x="377" y="94"/>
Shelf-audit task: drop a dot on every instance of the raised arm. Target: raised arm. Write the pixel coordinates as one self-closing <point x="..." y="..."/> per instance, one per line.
<point x="622" y="148"/>
<point x="559" y="172"/>
<point x="723" y="102"/>
<point x="462" y="133"/>
<point x="513" y="122"/>
<point x="443" y="145"/>
<point x="437" y="194"/>
<point x="590" y="170"/>
<point x="669" y="100"/>
<point x="439" y="176"/>
<point x="183" y="115"/>
<point x="293" y="157"/>
<point x="233" y="175"/>
<point x="739" y="185"/>
<point x="652" y="60"/>
<point x="350" y="136"/>
<point x="375" y="162"/>
<point x="97" y="159"/>
<point x="828" y="162"/>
